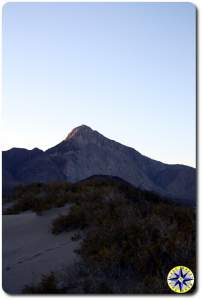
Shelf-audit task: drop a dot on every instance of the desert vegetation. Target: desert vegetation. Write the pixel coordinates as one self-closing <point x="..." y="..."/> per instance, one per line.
<point x="38" y="197"/>
<point x="48" y="285"/>
<point x="130" y="238"/>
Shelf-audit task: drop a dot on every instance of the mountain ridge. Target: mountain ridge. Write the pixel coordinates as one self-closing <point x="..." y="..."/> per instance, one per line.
<point x="84" y="153"/>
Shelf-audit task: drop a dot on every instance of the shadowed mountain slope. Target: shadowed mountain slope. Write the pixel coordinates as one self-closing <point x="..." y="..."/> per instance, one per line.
<point x="85" y="153"/>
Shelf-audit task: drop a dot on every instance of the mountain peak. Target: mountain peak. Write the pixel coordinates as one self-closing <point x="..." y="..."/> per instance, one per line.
<point x="82" y="130"/>
<point x="85" y="153"/>
<point x="84" y="135"/>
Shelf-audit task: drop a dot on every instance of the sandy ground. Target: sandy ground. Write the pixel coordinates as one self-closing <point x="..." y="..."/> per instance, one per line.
<point x="30" y="249"/>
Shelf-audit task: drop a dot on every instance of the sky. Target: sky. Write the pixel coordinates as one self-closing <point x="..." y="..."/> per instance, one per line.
<point x="126" y="70"/>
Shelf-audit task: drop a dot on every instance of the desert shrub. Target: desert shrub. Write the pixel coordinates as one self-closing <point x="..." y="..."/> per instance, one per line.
<point x="129" y="233"/>
<point x="145" y="236"/>
<point x="75" y="219"/>
<point x="47" y="285"/>
<point x="39" y="197"/>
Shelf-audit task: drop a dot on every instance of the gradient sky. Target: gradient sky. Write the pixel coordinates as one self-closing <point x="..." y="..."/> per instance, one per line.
<point x="126" y="70"/>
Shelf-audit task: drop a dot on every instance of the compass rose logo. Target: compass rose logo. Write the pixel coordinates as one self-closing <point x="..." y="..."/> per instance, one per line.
<point x="180" y="279"/>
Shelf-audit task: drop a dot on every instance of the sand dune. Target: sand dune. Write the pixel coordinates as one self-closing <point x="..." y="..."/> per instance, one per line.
<point x="30" y="249"/>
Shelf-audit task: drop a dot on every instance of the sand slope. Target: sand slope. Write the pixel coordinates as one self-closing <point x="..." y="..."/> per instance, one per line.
<point x="30" y="249"/>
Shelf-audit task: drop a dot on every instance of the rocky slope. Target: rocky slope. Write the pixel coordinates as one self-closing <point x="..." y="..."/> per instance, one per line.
<point x="86" y="152"/>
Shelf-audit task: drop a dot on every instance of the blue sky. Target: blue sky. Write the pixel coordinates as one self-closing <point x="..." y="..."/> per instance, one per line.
<point x="126" y="70"/>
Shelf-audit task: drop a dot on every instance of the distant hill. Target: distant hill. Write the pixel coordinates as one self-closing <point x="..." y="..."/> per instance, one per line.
<point x="84" y="153"/>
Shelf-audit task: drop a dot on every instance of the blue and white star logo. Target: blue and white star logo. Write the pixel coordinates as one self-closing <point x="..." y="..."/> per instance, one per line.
<point x="180" y="279"/>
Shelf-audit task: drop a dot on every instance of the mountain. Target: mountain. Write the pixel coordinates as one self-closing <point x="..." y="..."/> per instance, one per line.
<point x="84" y="153"/>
